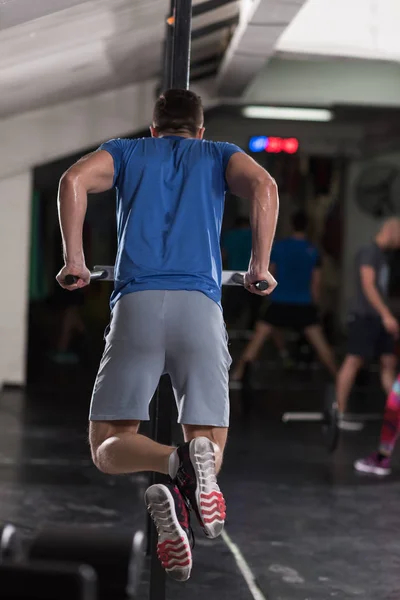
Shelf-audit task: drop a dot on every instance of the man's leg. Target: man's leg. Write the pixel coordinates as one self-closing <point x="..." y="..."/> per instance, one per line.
<point x="315" y="336"/>
<point x="198" y="362"/>
<point x="344" y="382"/>
<point x="261" y="333"/>
<point x="130" y="369"/>
<point x="391" y="421"/>
<point x="378" y="462"/>
<point x="117" y="448"/>
<point x="388" y="371"/>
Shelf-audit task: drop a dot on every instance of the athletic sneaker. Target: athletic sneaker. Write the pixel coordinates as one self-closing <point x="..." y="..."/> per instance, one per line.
<point x="170" y="514"/>
<point x="346" y="425"/>
<point x="378" y="465"/>
<point x="196" y="479"/>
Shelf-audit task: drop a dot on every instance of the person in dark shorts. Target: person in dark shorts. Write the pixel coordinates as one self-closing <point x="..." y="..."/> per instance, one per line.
<point x="297" y="265"/>
<point x="166" y="306"/>
<point x="372" y="329"/>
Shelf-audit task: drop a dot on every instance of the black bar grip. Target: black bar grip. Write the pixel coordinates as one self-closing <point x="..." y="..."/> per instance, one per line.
<point x="72" y="279"/>
<point x="260" y="285"/>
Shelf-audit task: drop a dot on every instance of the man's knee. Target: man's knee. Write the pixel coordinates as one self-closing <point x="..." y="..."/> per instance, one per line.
<point x="103" y="435"/>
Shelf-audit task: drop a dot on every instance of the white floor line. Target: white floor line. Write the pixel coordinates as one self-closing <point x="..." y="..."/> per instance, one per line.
<point x="244" y="568"/>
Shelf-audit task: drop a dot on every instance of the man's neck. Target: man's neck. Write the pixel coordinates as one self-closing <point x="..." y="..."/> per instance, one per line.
<point x="297" y="235"/>
<point x="184" y="134"/>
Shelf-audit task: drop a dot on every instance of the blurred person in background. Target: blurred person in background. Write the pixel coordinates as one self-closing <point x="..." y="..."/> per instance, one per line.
<point x="379" y="462"/>
<point x="372" y="328"/>
<point x="238" y="304"/>
<point x="296" y="263"/>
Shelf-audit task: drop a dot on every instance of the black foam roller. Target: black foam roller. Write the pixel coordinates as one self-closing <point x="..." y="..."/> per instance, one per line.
<point x="115" y="556"/>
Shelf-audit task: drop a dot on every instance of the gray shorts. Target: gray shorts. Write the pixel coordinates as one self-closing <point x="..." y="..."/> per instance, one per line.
<point x="181" y="333"/>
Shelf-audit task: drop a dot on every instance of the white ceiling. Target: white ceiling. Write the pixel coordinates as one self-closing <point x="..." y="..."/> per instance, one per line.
<point x="54" y="51"/>
<point x="254" y="41"/>
<point x="352" y="28"/>
<point x="82" y="48"/>
<point x="15" y="12"/>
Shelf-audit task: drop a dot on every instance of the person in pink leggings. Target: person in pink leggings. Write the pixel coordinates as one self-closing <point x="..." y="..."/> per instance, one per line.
<point x="378" y="462"/>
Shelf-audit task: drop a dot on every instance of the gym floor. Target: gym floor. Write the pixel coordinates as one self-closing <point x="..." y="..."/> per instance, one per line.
<point x="305" y="524"/>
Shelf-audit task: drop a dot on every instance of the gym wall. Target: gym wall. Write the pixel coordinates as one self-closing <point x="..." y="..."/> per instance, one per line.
<point x="32" y="139"/>
<point x="15" y="203"/>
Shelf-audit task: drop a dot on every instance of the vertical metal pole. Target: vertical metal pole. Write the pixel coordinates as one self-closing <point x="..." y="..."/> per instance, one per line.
<point x="182" y="37"/>
<point x="176" y="75"/>
<point x="161" y="433"/>
<point x="168" y="52"/>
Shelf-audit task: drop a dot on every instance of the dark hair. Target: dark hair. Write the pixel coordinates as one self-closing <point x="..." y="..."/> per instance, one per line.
<point x="299" y="221"/>
<point x="178" y="110"/>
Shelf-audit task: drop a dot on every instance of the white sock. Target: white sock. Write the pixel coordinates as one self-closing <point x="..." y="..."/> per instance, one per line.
<point x="173" y="464"/>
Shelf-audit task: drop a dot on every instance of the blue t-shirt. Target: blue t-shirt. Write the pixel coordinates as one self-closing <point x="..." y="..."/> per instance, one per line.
<point x="295" y="261"/>
<point x="237" y="244"/>
<point x="170" y="203"/>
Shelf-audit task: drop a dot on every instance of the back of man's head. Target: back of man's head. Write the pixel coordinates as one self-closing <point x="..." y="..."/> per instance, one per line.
<point x="179" y="111"/>
<point x="299" y="221"/>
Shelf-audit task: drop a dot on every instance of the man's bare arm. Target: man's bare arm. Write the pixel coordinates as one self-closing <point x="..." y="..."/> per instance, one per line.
<point x="92" y="174"/>
<point x="368" y="278"/>
<point x="248" y="180"/>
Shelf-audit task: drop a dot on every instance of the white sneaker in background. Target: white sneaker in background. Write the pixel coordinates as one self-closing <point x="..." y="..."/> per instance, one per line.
<point x="346" y="425"/>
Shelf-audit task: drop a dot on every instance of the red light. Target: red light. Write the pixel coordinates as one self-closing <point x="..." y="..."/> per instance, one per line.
<point x="274" y="145"/>
<point x="290" y="145"/>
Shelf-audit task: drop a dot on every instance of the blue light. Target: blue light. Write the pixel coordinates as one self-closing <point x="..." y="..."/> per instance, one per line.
<point x="258" y="143"/>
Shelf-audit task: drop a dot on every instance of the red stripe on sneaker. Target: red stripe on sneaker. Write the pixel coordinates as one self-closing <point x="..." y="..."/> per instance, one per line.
<point x="173" y="545"/>
<point x="213" y="494"/>
<point x="213" y="507"/>
<point x="173" y="553"/>
<point x="172" y="565"/>
<point x="212" y="502"/>
<point x="218" y="517"/>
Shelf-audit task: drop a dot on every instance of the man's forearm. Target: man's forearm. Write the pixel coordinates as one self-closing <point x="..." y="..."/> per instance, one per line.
<point x="264" y="212"/>
<point x="376" y="301"/>
<point x="72" y="204"/>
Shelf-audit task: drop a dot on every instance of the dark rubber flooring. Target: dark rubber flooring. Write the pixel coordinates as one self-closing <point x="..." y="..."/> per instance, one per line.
<point x="308" y="527"/>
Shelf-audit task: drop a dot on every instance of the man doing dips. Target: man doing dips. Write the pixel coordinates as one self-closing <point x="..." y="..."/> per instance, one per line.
<point x="166" y="315"/>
